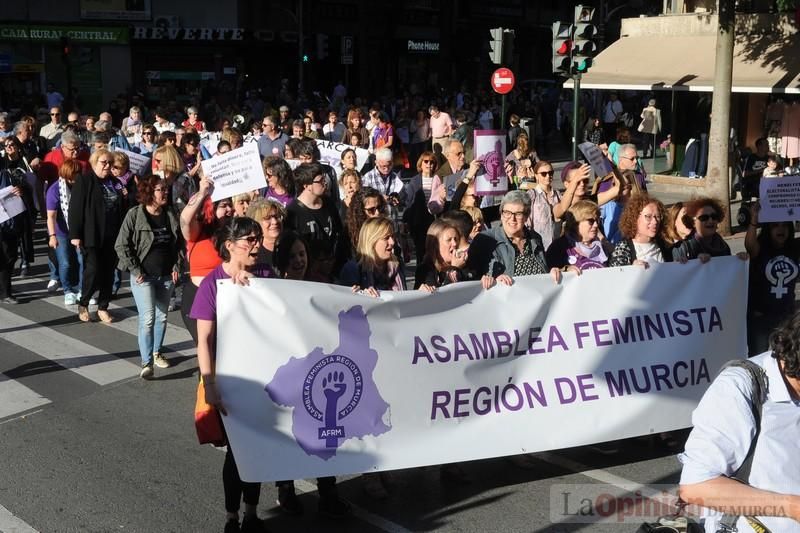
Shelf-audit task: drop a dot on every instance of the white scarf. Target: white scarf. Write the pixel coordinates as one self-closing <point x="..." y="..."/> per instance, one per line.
<point x="64" y="194"/>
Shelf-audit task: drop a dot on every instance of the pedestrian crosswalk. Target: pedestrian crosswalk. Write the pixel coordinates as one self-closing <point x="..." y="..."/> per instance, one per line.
<point x="41" y="335"/>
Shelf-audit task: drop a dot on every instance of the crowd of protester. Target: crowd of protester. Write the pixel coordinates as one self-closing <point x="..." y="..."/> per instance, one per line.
<point x="414" y="202"/>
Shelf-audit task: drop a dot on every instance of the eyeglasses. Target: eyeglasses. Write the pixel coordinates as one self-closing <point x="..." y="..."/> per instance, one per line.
<point x="705" y="218"/>
<point x="252" y="240"/>
<point x="648" y="217"/>
<point x="9" y="145"/>
<point x="72" y="149"/>
<point x="117" y="167"/>
<point x="548" y="173"/>
<point x="518" y="215"/>
<point x="276" y="218"/>
<point x="634" y="158"/>
<point x="103" y="163"/>
<point x="591" y="221"/>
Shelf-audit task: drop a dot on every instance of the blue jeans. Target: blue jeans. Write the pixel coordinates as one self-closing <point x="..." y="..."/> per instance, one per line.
<point x="152" y="300"/>
<point x="68" y="258"/>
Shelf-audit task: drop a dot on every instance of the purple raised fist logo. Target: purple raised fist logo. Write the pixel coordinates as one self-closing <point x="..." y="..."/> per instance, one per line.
<point x="337" y="398"/>
<point x="493" y="163"/>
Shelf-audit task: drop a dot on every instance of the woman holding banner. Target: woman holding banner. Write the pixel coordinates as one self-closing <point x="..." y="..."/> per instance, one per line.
<point x="511" y="249"/>
<point x="375" y="268"/>
<point x="644" y="234"/>
<point x="580" y="247"/>
<point x="443" y="259"/>
<point x="237" y="244"/>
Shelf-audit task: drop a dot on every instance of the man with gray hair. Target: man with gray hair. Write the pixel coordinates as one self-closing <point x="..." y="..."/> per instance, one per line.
<point x="116" y="141"/>
<point x="5" y="131"/>
<point x="383" y="179"/>
<point x="629" y="160"/>
<point x="69" y="149"/>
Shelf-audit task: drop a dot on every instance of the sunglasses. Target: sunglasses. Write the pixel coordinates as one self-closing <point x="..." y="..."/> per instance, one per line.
<point x="372" y="210"/>
<point x="55" y="114"/>
<point x="550" y="173"/>
<point x="706" y="218"/>
<point x="431" y="161"/>
<point x="591" y="221"/>
<point x="251" y="239"/>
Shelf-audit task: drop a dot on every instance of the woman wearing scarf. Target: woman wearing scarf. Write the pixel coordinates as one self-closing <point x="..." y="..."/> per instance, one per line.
<point x="703" y="242"/>
<point x="580" y="247"/>
<point x="57" y="204"/>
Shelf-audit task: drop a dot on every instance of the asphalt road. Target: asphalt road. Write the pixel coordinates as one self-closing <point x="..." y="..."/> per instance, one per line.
<point x="87" y="446"/>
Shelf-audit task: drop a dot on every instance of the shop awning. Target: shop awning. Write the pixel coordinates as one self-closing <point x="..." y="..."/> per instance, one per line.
<point x="761" y="64"/>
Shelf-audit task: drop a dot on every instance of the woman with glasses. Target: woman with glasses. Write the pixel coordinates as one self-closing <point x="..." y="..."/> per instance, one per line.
<point x="237" y="244"/>
<point x="511" y="249"/>
<point x="96" y="209"/>
<point x="703" y="242"/>
<point x="544" y="197"/>
<point x="270" y="214"/>
<point x="580" y="246"/>
<point x="419" y="213"/>
<point x="190" y="152"/>
<point x="643" y="226"/>
<point x="367" y="203"/>
<point x="280" y="180"/>
<point x="147" y="246"/>
<point x="148" y="142"/>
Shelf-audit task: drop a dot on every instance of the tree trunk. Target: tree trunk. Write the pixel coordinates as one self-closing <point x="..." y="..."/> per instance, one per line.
<point x="717" y="176"/>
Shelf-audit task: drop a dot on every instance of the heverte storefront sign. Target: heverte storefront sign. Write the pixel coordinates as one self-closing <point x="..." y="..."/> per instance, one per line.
<point x="82" y="34"/>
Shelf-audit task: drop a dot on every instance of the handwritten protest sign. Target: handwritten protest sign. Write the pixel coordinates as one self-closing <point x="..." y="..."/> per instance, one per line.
<point x="331" y="153"/>
<point x="139" y="164"/>
<point x="599" y="163"/>
<point x="780" y="199"/>
<point x="10" y="205"/>
<point x="235" y="172"/>
<point x="490" y="150"/>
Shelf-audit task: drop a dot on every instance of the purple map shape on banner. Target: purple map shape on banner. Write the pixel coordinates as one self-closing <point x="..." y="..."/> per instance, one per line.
<point x="333" y="396"/>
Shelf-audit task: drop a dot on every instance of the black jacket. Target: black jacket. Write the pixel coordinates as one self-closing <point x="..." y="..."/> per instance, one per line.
<point x="87" y="211"/>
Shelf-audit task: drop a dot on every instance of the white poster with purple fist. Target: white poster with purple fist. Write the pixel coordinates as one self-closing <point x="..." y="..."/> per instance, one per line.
<point x="490" y="150"/>
<point x="318" y="380"/>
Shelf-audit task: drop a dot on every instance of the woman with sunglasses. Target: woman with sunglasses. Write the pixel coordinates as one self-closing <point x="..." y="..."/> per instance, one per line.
<point x="367" y="203"/>
<point x="280" y="180"/>
<point x="190" y="152"/>
<point x="643" y="228"/>
<point x="96" y="209"/>
<point x="237" y="244"/>
<point x="544" y="197"/>
<point x="147" y="246"/>
<point x="703" y="242"/>
<point x="148" y="143"/>
<point x="580" y="247"/>
<point x="418" y="216"/>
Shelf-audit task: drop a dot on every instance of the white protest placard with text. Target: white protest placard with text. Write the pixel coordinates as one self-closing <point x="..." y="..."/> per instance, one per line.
<point x="779" y="199"/>
<point x="10" y="204"/>
<point x="139" y="164"/>
<point x="235" y="172"/>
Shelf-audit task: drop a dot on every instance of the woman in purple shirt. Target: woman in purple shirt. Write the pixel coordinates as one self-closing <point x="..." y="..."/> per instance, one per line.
<point x="57" y="204"/>
<point x="237" y="243"/>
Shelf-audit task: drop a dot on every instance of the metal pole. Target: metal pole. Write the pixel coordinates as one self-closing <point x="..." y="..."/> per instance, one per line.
<point x="300" y="39"/>
<point x="503" y="112"/>
<point x="576" y="96"/>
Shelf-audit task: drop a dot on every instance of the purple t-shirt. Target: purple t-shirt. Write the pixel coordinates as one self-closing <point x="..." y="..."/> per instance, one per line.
<point x="205" y="301"/>
<point x="284" y="199"/>
<point x="52" y="202"/>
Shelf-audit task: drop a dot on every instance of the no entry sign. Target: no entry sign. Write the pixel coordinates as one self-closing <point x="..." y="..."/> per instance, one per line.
<point x="502" y="80"/>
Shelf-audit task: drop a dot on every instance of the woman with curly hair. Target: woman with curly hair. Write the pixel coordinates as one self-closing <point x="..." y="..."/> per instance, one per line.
<point x="367" y="203"/>
<point x="644" y="235"/>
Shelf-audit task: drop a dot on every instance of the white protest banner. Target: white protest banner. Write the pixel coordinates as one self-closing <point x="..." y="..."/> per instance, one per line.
<point x="10" y="204"/>
<point x="779" y="199"/>
<point x="235" y="172"/>
<point x="331" y="153"/>
<point x="139" y="164"/>
<point x="490" y="150"/>
<point x="319" y="381"/>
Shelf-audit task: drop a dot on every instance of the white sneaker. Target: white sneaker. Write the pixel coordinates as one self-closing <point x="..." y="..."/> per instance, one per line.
<point x="70" y="298"/>
<point x="53" y="285"/>
<point x="161" y="361"/>
<point x="147" y="371"/>
<point x="92" y="301"/>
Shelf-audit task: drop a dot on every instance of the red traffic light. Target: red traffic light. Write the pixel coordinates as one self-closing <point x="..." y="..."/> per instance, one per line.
<point x="565" y="48"/>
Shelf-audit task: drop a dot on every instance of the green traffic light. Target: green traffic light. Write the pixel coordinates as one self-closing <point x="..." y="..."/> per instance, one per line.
<point x="305" y="58"/>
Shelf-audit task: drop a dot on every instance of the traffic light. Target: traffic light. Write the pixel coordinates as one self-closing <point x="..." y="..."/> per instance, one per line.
<point x="562" y="48"/>
<point x="508" y="47"/>
<point x="65" y="48"/>
<point x="496" y="46"/>
<point x="584" y="47"/>
<point x="322" y="46"/>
